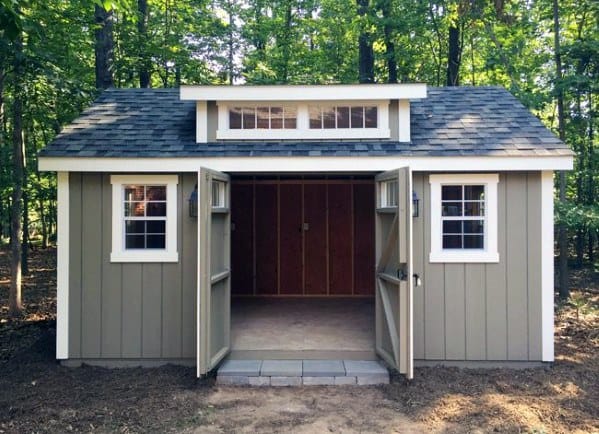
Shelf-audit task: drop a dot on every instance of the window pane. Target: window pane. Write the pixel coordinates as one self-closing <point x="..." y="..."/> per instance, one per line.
<point x="155" y="242"/>
<point x="156" y="192"/>
<point x="328" y="117"/>
<point x="235" y="118"/>
<point x="342" y="117"/>
<point x="135" y="227"/>
<point x="474" y="227"/>
<point x="134" y="242"/>
<point x="156" y="226"/>
<point x="370" y="117"/>
<point x="474" y="192"/>
<point x="474" y="208"/>
<point x="315" y="117"/>
<point x="249" y="118"/>
<point x="391" y="189"/>
<point x="156" y="209"/>
<point x="135" y="209"/>
<point x="452" y="209"/>
<point x="134" y="192"/>
<point x="452" y="226"/>
<point x="276" y="118"/>
<point x="451" y="192"/>
<point x="216" y="202"/>
<point x="290" y="118"/>
<point x="452" y="241"/>
<point x="473" y="241"/>
<point x="357" y="117"/>
<point x="263" y="116"/>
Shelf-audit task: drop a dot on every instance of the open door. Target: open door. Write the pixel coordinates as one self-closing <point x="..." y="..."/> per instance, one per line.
<point x="214" y="269"/>
<point x="394" y="277"/>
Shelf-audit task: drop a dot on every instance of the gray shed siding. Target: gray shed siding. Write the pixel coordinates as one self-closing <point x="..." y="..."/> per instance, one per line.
<point x="127" y="310"/>
<point x="490" y="311"/>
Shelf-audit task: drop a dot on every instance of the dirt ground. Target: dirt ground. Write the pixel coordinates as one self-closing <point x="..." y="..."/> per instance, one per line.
<point x="38" y="395"/>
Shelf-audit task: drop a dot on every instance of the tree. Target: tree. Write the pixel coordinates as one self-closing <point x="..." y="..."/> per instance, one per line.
<point x="104" y="46"/>
<point x="366" y="57"/>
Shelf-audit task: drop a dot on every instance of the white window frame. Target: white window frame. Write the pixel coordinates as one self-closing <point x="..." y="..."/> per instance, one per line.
<point x="489" y="254"/>
<point x="119" y="252"/>
<point x="303" y="130"/>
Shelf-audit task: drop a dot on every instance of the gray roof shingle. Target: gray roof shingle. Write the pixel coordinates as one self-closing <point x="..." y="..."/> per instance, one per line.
<point x="450" y="122"/>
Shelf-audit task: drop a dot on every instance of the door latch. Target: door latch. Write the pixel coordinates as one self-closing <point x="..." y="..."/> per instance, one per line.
<point x="417" y="280"/>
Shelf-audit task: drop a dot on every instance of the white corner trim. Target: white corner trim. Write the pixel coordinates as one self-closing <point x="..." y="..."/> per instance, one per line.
<point x="62" y="273"/>
<point x="198" y="300"/>
<point x="306" y="164"/>
<point x="490" y="253"/>
<point x="404" y="120"/>
<point x="345" y="92"/>
<point x="119" y="253"/>
<point x="547" y="267"/>
<point x="201" y="122"/>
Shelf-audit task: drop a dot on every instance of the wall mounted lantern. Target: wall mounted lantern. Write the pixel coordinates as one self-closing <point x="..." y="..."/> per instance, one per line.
<point x="193" y="202"/>
<point x="415" y="204"/>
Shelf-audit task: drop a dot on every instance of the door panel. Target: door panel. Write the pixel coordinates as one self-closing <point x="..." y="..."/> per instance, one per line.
<point x="290" y="239"/>
<point x="242" y="237"/>
<point x="340" y="239"/>
<point x="315" y="239"/>
<point x="394" y="277"/>
<point x="214" y="269"/>
<point x="266" y="239"/>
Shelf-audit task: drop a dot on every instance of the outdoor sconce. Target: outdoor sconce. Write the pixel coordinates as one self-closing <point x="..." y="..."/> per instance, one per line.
<point x="415" y="203"/>
<point x="193" y="202"/>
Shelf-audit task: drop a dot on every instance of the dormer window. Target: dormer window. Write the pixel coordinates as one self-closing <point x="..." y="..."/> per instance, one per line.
<point x="262" y="118"/>
<point x="340" y="117"/>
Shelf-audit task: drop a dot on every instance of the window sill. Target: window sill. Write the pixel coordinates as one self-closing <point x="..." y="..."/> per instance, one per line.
<point x="302" y="134"/>
<point x="144" y="256"/>
<point x="464" y="257"/>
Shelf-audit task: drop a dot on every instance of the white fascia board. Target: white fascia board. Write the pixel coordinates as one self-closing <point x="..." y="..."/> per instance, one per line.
<point x="305" y="164"/>
<point x="339" y="92"/>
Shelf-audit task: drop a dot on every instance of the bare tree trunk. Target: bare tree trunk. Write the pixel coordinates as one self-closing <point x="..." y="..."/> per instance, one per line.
<point x="454" y="56"/>
<point x="15" y="303"/>
<point x="564" y="289"/>
<point x="44" y="223"/>
<point x="230" y="54"/>
<point x="25" y="243"/>
<point x="366" y="52"/>
<point x="104" y="47"/>
<point x="142" y="29"/>
<point x="389" y="44"/>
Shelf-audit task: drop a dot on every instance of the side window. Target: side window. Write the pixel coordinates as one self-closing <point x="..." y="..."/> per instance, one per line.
<point x="464" y="218"/>
<point x="144" y="218"/>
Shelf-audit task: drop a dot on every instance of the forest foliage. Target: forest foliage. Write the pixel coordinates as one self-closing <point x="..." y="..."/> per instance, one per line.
<point x="49" y="54"/>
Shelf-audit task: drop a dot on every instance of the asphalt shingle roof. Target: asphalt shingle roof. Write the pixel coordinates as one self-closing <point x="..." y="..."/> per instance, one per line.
<point x="451" y="121"/>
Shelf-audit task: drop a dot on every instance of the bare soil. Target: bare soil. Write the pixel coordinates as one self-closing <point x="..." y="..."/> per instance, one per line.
<point x="39" y="395"/>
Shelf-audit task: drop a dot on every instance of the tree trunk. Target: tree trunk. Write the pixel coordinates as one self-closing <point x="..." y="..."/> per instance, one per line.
<point x="389" y="44"/>
<point x="44" y="223"/>
<point x="366" y="52"/>
<point x="15" y="303"/>
<point x="564" y="290"/>
<point x="230" y="44"/>
<point x="104" y="47"/>
<point x="454" y="56"/>
<point x="25" y="244"/>
<point x="142" y="29"/>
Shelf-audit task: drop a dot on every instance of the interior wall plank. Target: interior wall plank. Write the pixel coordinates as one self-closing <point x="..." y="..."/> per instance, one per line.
<point x="91" y="312"/>
<point x="189" y="270"/>
<point x="517" y="279"/>
<point x="534" y="210"/>
<point x="242" y="254"/>
<point x="75" y="258"/>
<point x="151" y="310"/>
<point x="290" y="239"/>
<point x="418" y="268"/>
<point x="455" y="312"/>
<point x="111" y="280"/>
<point x="339" y="225"/>
<point x="364" y="262"/>
<point x="315" y="239"/>
<point x="266" y="239"/>
<point x="496" y="284"/>
<point x="475" y="297"/>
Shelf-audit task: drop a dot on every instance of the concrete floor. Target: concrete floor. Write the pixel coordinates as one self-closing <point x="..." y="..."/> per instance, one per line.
<point x="300" y="324"/>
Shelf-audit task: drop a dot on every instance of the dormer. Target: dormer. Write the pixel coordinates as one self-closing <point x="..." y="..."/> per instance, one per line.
<point x="311" y="112"/>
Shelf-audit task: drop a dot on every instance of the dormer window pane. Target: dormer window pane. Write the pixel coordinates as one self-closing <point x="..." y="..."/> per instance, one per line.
<point x="342" y="117"/>
<point x="290" y="117"/>
<point x="328" y="117"/>
<point x="370" y="117"/>
<point x="357" y="117"/>
<point x="315" y="117"/>
<point x="235" y="118"/>
<point x="262" y="115"/>
<point x="249" y="118"/>
<point x="276" y="118"/>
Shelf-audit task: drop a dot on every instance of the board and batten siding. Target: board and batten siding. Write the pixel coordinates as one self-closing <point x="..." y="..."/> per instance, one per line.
<point x="478" y="311"/>
<point x="128" y="310"/>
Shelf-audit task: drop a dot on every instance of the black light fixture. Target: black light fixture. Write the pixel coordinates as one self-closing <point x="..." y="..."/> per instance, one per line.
<point x="415" y="204"/>
<point x="193" y="202"/>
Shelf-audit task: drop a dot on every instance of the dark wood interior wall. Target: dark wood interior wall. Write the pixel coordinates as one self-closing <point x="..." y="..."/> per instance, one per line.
<point x="273" y="253"/>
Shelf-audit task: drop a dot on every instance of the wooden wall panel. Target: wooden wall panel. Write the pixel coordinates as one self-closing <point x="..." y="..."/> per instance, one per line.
<point x="242" y="239"/>
<point x="315" y="239"/>
<point x="266" y="239"/>
<point x="363" y="209"/>
<point x="290" y="239"/>
<point x="340" y="239"/>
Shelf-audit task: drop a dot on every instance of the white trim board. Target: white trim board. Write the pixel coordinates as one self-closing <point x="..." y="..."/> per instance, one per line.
<point x="547" y="284"/>
<point x="340" y="92"/>
<point x="306" y="164"/>
<point x="62" y="275"/>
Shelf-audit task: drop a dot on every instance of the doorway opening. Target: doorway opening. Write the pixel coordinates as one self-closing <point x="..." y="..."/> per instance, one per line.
<point x="303" y="263"/>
